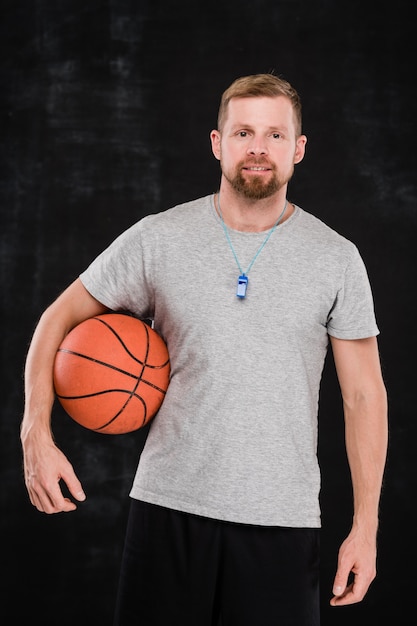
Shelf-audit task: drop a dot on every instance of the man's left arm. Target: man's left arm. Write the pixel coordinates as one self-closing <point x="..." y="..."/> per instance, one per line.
<point x="366" y="432"/>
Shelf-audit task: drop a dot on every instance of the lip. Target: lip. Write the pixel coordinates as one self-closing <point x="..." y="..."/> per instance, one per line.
<point x="257" y="169"/>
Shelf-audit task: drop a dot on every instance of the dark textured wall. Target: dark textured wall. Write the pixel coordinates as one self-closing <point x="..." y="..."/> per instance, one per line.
<point x="106" y="112"/>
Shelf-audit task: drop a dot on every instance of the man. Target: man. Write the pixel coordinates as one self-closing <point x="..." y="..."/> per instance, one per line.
<point x="247" y="289"/>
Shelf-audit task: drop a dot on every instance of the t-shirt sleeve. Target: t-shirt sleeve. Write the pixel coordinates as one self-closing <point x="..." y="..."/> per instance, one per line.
<point x="117" y="277"/>
<point x="353" y="314"/>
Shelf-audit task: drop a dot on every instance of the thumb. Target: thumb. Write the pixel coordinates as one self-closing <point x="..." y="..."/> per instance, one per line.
<point x="74" y="486"/>
<point x="340" y="581"/>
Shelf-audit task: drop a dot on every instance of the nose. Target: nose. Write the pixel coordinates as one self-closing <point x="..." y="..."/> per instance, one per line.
<point x="257" y="147"/>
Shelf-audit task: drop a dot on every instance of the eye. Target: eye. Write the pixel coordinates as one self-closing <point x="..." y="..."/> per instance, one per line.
<point x="242" y="133"/>
<point x="276" y="135"/>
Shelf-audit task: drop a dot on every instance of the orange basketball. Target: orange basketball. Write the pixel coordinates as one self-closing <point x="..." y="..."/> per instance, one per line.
<point x="111" y="373"/>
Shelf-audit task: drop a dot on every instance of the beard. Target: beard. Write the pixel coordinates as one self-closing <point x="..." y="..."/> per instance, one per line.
<point x="255" y="187"/>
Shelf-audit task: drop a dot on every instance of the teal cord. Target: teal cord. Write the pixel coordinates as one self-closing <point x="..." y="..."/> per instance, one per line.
<point x="226" y="232"/>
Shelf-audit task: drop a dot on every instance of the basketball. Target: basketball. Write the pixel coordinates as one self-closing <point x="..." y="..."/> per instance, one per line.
<point x="111" y="373"/>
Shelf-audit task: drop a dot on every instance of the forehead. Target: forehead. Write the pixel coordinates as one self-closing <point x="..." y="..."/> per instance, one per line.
<point x="260" y="111"/>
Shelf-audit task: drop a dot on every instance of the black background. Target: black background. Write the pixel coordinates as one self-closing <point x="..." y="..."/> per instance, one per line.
<point x="106" y="112"/>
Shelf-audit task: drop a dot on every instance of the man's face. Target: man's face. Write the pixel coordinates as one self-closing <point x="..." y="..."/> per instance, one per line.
<point x="257" y="146"/>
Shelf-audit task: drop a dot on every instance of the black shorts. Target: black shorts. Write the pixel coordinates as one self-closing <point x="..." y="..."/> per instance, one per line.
<point x="184" y="569"/>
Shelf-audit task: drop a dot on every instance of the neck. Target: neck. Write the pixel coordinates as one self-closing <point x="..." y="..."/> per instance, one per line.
<point x="240" y="213"/>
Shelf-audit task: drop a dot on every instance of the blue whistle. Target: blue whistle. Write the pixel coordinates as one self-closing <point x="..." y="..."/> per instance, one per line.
<point x="242" y="284"/>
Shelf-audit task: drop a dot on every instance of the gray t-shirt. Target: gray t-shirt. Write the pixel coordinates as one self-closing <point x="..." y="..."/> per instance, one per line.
<point x="236" y="436"/>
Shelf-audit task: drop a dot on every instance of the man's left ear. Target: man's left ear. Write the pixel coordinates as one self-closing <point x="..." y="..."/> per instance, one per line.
<point x="300" y="149"/>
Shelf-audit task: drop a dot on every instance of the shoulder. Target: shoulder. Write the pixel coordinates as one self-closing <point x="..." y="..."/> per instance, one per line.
<point x="317" y="227"/>
<point x="169" y="223"/>
<point x="180" y="214"/>
<point x="321" y="238"/>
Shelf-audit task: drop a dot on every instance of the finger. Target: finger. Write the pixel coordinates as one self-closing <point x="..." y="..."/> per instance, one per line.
<point x="51" y="500"/>
<point x="75" y="488"/>
<point x="350" y="597"/>
<point x="35" y="501"/>
<point x="340" y="582"/>
<point x="355" y="592"/>
<point x="57" y="501"/>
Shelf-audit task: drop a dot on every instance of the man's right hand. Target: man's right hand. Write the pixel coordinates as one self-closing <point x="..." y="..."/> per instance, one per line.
<point x="45" y="466"/>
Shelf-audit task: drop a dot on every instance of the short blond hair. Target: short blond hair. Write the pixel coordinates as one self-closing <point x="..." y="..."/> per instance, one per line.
<point x="257" y="85"/>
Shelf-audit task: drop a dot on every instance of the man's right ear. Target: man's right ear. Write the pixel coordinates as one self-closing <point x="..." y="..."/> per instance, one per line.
<point x="215" y="138"/>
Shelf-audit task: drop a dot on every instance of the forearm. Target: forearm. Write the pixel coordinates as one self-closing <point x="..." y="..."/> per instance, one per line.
<point x="45" y="466"/>
<point x="73" y="306"/>
<point x="39" y="390"/>
<point x="366" y="445"/>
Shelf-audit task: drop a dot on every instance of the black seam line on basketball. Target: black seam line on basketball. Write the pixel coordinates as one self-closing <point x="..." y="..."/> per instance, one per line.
<point x="99" y="319"/>
<point x="143" y="363"/>
<point x="139" y="378"/>
<point x="113" y="367"/>
<point x="132" y="395"/>
<point x="145" y="414"/>
<point x="101" y="393"/>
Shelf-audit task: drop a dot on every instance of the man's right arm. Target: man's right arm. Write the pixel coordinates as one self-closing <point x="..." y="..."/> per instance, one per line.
<point x="45" y="466"/>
